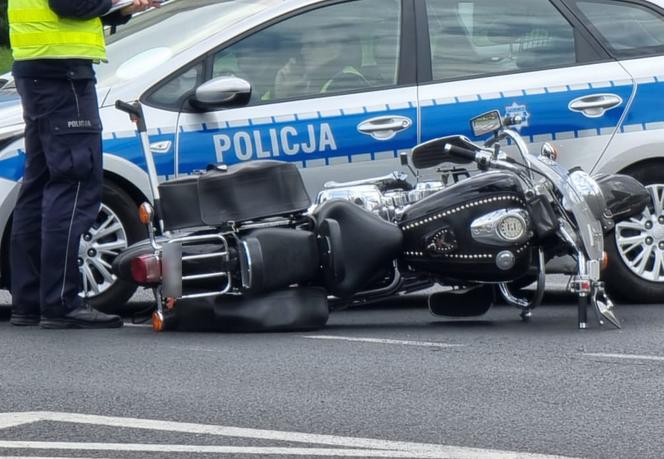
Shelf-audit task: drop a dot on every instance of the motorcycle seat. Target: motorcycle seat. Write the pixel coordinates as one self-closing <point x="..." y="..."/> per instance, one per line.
<point x="355" y="245"/>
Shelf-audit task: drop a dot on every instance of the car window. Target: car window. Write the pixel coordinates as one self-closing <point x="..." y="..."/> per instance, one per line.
<point x="627" y="28"/>
<point x="173" y="91"/>
<point x="344" y="47"/>
<point x="479" y="37"/>
<point x="151" y="39"/>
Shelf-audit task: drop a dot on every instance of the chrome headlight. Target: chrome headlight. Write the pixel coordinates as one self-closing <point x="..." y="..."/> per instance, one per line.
<point x="587" y="189"/>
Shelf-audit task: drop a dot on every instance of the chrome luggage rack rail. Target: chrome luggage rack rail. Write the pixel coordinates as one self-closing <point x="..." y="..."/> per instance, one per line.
<point x="173" y="259"/>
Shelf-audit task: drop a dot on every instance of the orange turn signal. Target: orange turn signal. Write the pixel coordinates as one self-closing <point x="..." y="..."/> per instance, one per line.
<point x="157" y="321"/>
<point x="605" y="260"/>
<point x="145" y="213"/>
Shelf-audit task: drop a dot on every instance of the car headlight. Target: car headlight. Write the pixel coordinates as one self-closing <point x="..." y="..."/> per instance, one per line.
<point x="4" y="143"/>
<point x="9" y="134"/>
<point x="11" y="131"/>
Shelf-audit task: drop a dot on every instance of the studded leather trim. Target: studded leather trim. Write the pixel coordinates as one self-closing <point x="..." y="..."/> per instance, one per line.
<point x="470" y="205"/>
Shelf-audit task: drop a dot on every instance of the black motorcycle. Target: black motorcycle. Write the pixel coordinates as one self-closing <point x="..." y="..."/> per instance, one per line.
<point x="246" y="243"/>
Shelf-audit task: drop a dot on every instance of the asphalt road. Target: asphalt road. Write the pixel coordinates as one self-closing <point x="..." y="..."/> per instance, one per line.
<point x="387" y="381"/>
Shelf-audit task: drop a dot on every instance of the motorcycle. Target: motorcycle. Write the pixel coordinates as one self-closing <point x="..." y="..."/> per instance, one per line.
<point x="246" y="241"/>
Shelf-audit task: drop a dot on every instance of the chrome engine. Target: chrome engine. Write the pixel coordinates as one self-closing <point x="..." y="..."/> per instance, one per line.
<point x="388" y="196"/>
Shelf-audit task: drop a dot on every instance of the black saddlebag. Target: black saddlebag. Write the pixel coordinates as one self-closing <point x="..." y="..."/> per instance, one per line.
<point x="247" y="191"/>
<point x="274" y="258"/>
<point x="292" y="309"/>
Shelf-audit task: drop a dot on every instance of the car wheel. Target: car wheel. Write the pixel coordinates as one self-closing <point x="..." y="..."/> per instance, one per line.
<point x="636" y="247"/>
<point x="117" y="226"/>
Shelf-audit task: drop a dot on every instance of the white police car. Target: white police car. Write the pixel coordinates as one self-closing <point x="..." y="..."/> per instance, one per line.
<point x="341" y="87"/>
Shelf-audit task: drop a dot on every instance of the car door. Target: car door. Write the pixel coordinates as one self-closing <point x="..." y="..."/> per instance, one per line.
<point x="330" y="91"/>
<point x="633" y="32"/>
<point x="532" y="59"/>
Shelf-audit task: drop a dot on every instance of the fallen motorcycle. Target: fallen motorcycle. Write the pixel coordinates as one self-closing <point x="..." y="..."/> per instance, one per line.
<point x="245" y="241"/>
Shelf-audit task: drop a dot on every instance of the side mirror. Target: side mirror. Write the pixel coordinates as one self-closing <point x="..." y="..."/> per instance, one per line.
<point x="221" y="92"/>
<point x="486" y="123"/>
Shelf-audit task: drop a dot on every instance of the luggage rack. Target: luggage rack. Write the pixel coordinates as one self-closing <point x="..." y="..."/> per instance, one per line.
<point x="173" y="259"/>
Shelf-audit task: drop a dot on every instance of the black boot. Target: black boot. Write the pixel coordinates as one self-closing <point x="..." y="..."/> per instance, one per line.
<point x="82" y="317"/>
<point x="24" y="320"/>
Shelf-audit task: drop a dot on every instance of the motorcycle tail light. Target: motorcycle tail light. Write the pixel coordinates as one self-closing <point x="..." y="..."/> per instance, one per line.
<point x="146" y="269"/>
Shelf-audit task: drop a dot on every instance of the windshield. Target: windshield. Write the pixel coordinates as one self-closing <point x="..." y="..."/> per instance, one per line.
<point x="151" y="39"/>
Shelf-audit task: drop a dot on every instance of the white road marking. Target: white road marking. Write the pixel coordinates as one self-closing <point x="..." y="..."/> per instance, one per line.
<point x="625" y="356"/>
<point x="350" y="445"/>
<point x="16" y="419"/>
<point x="52" y="457"/>
<point x="207" y="449"/>
<point x="383" y="341"/>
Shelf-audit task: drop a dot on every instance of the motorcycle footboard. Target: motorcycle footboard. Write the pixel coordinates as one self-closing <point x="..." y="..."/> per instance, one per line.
<point x="471" y="302"/>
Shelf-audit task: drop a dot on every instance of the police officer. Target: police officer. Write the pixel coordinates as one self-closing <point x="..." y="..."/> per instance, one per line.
<point x="54" y="43"/>
<point x="325" y="64"/>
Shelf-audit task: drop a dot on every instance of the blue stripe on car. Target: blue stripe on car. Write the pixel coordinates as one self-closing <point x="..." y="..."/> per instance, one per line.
<point x="441" y="116"/>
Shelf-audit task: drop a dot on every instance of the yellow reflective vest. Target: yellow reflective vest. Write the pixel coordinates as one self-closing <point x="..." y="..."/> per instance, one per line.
<point x="36" y="32"/>
<point x="349" y="70"/>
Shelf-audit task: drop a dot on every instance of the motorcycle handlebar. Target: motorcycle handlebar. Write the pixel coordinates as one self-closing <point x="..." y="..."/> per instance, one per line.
<point x="135" y="112"/>
<point x="460" y="152"/>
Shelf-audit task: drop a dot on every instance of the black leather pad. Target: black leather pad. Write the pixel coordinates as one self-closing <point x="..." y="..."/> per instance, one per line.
<point x="251" y="191"/>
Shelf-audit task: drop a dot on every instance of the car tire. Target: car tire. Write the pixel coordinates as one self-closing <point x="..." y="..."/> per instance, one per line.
<point x="622" y="276"/>
<point x="116" y="228"/>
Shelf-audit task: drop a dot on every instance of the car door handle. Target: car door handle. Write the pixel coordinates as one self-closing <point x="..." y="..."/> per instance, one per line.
<point x="161" y="147"/>
<point x="595" y="105"/>
<point x="384" y="127"/>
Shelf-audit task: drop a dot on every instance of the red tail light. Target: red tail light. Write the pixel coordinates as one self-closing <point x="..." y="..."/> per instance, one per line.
<point x="146" y="269"/>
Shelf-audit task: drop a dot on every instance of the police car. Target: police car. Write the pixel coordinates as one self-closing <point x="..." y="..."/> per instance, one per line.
<point x="342" y="87"/>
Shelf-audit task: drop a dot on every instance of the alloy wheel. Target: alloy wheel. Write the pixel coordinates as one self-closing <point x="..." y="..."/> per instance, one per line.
<point x="99" y="247"/>
<point x="640" y="240"/>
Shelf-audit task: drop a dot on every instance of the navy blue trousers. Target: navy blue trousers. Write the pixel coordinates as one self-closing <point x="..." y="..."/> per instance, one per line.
<point x="60" y="194"/>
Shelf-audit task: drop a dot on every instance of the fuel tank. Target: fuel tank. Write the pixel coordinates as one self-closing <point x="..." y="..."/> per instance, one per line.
<point x="476" y="230"/>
